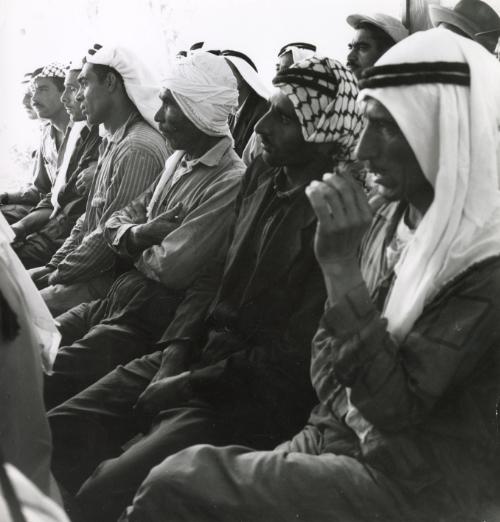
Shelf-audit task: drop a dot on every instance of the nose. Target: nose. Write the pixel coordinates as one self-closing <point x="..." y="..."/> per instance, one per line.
<point x="159" y="115"/>
<point x="64" y="98"/>
<point x="79" y="96"/>
<point x="351" y="54"/>
<point x="368" y="146"/>
<point x="263" y="126"/>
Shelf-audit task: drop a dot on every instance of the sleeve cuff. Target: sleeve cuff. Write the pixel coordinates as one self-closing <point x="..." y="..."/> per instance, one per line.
<point x="349" y="315"/>
<point x="122" y="231"/>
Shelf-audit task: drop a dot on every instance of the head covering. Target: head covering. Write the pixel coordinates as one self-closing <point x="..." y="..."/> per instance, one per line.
<point x="141" y="84"/>
<point x="52" y="70"/>
<point x="470" y="16"/>
<point x="300" y="51"/>
<point x="205" y="88"/>
<point x="30" y="75"/>
<point x="248" y="71"/>
<point x="323" y="93"/>
<point x="76" y="64"/>
<point x="390" y="25"/>
<point x="453" y="130"/>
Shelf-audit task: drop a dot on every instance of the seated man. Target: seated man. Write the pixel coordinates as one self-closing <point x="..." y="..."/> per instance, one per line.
<point x="43" y="230"/>
<point x="243" y="378"/>
<point x="473" y="19"/>
<point x="374" y="35"/>
<point x="115" y="91"/>
<point x="406" y="361"/>
<point x="252" y="98"/>
<point x="170" y="232"/>
<point x="28" y="93"/>
<point x="287" y="56"/>
<point x="47" y="87"/>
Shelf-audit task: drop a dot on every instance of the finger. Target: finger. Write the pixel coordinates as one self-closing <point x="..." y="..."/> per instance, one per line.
<point x="332" y="192"/>
<point x="314" y="192"/>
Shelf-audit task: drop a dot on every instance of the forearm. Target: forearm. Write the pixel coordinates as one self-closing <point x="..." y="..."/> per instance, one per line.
<point x="35" y="220"/>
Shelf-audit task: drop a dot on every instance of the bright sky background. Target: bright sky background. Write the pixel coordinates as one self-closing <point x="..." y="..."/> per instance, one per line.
<point x="34" y="32"/>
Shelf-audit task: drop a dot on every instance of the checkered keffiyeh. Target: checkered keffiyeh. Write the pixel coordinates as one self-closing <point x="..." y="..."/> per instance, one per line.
<point x="323" y="93"/>
<point x="54" y="69"/>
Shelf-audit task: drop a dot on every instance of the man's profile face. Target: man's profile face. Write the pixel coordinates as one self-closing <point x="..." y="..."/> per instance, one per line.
<point x="68" y="98"/>
<point x="175" y="126"/>
<point x="93" y="96"/>
<point x="364" y="51"/>
<point x="389" y="156"/>
<point x="46" y="98"/>
<point x="280" y="133"/>
<point x="26" y="101"/>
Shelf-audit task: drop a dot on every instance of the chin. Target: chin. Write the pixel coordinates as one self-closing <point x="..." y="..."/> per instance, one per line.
<point x="271" y="160"/>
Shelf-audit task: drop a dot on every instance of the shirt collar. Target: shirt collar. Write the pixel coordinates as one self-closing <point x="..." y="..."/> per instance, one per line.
<point x="212" y="157"/>
<point x="120" y="132"/>
<point x="280" y="184"/>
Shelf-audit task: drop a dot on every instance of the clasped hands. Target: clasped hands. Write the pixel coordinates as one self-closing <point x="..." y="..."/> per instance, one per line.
<point x="170" y="386"/>
<point x="153" y="232"/>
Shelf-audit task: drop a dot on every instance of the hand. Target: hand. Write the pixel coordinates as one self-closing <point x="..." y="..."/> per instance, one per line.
<point x="19" y="231"/>
<point x="40" y="276"/>
<point x="174" y="360"/>
<point x="343" y="216"/>
<point x="153" y="232"/>
<point x="165" y="393"/>
<point x="84" y="179"/>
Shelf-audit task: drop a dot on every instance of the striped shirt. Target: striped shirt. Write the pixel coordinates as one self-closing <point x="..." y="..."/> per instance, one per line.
<point x="129" y="161"/>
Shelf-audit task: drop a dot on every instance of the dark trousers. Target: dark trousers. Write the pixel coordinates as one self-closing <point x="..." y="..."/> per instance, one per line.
<point x="90" y="430"/>
<point x="37" y="249"/>
<point x="100" y="335"/>
<point x="14" y="212"/>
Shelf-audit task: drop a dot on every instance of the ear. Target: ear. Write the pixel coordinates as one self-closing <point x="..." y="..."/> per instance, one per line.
<point x="112" y="83"/>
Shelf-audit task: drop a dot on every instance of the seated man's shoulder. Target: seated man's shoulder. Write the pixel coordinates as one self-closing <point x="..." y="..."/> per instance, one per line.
<point x="141" y="136"/>
<point x="257" y="174"/>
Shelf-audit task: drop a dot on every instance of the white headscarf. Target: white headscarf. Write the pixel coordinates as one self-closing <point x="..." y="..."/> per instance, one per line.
<point x="250" y="75"/>
<point x="454" y="133"/>
<point x="205" y="88"/>
<point x="141" y="84"/>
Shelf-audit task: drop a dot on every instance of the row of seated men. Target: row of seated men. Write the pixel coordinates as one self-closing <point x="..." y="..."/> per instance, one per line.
<point x="199" y="284"/>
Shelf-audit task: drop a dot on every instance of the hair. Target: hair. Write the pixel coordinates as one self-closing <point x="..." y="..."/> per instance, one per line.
<point x="384" y="40"/>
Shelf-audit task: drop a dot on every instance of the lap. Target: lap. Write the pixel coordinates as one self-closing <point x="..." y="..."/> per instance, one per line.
<point x="205" y="483"/>
<point x="62" y="297"/>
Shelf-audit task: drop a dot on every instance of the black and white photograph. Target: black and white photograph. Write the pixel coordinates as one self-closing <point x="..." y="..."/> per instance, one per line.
<point x="250" y="261"/>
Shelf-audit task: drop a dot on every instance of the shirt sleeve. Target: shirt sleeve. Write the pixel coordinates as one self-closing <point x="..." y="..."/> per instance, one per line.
<point x="179" y="258"/>
<point x="134" y="171"/>
<point x="70" y="244"/>
<point x="135" y="213"/>
<point x="394" y="386"/>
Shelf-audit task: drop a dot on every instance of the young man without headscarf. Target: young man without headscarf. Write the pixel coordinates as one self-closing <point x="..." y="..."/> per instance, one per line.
<point x="47" y="87"/>
<point x="122" y="95"/>
<point x="242" y="376"/>
<point x="40" y="233"/>
<point x="405" y="361"/>
<point x="169" y="233"/>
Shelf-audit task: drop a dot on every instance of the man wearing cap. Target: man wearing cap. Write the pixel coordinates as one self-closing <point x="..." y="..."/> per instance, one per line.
<point x="47" y="88"/>
<point x="118" y="92"/>
<point x="405" y="362"/>
<point x="252" y="98"/>
<point x="40" y="233"/>
<point x="169" y="233"/>
<point x="243" y="374"/>
<point x="473" y="19"/>
<point x="374" y="35"/>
